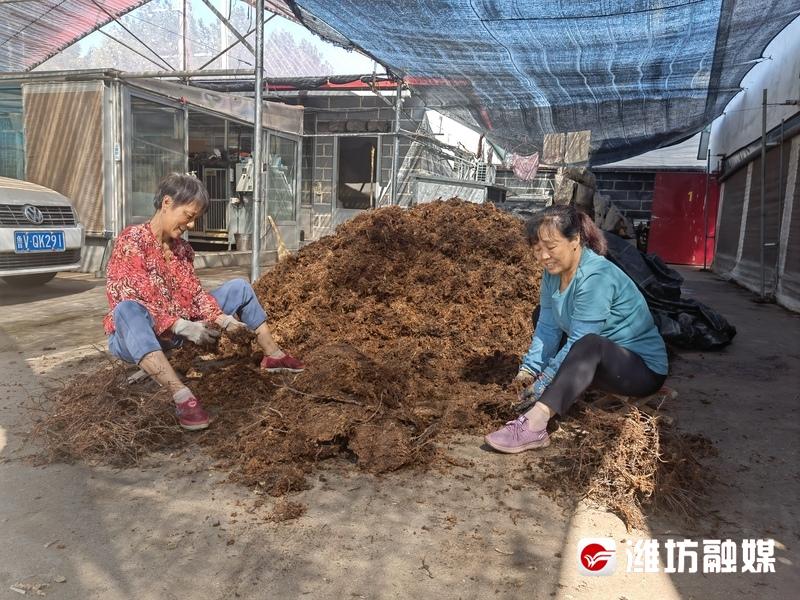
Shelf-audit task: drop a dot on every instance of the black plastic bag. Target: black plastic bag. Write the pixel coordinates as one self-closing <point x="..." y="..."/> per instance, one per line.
<point x="681" y="321"/>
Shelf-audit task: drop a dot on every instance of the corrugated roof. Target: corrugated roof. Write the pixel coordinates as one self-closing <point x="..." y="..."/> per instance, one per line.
<point x="682" y="156"/>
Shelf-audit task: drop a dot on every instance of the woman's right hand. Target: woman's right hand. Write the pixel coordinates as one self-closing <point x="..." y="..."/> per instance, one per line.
<point x="521" y="382"/>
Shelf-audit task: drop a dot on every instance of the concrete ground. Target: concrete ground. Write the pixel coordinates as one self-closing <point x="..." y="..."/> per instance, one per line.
<point x="172" y="528"/>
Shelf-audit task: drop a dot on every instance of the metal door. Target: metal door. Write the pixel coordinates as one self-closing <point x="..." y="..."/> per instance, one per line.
<point x="679" y="215"/>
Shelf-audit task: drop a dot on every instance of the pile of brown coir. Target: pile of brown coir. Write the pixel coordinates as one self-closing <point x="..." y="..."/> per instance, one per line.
<point x="411" y="323"/>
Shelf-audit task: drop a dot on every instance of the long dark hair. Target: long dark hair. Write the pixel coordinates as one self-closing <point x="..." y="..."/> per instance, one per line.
<point x="569" y="222"/>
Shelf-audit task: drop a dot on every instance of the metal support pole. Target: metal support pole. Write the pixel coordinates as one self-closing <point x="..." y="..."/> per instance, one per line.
<point x="185" y="62"/>
<point x="186" y="139"/>
<point x="255" y="268"/>
<point x="763" y="191"/>
<point x="182" y="74"/>
<point x="229" y="189"/>
<point x="132" y="49"/>
<point x="227" y="48"/>
<point x="705" y="212"/>
<point x="232" y="29"/>
<point x="780" y="171"/>
<point x="133" y="35"/>
<point x="396" y="150"/>
<point x="781" y="193"/>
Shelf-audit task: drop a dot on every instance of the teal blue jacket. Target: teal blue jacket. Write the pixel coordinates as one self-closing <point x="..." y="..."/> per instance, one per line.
<point x="600" y="299"/>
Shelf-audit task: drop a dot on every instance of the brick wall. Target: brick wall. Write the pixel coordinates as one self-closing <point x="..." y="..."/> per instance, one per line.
<point x="631" y="192"/>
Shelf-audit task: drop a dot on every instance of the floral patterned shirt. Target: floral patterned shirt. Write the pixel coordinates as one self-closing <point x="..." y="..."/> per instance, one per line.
<point x="168" y="289"/>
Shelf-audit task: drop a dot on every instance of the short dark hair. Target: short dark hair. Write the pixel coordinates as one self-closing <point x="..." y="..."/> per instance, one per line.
<point x="183" y="189"/>
<point x="569" y="222"/>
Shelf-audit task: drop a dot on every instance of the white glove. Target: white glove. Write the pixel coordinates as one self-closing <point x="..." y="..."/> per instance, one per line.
<point x="195" y="331"/>
<point x="229" y="323"/>
<point x="522" y="382"/>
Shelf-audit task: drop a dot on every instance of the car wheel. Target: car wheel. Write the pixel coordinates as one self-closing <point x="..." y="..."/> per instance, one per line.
<point x="27" y="280"/>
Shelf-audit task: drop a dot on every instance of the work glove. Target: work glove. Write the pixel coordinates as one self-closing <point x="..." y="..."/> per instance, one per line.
<point x="522" y="382"/>
<point x="229" y="323"/>
<point x="540" y="385"/>
<point x="198" y="332"/>
<point x="530" y="393"/>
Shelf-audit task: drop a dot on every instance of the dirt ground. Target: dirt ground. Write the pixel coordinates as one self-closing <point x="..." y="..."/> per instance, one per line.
<point x="173" y="527"/>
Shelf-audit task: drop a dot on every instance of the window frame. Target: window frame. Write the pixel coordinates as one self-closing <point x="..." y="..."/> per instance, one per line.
<point x="128" y="217"/>
<point x="268" y="133"/>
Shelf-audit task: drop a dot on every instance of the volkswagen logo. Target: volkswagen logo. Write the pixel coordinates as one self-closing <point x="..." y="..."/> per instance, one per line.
<point x="33" y="214"/>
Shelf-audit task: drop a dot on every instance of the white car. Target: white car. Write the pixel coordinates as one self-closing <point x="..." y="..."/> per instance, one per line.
<point x="39" y="233"/>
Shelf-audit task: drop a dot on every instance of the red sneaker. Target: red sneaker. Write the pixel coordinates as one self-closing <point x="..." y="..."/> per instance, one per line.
<point x="191" y="415"/>
<point x="285" y="364"/>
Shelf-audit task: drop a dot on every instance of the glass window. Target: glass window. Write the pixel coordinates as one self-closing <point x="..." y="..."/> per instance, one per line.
<point x="156" y="149"/>
<point x="282" y="178"/>
<point x="12" y="149"/>
<point x="357" y="167"/>
<point x="240" y="141"/>
<point x="209" y="159"/>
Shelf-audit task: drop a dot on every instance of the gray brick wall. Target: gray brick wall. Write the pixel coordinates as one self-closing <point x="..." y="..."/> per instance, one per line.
<point x="632" y="192"/>
<point x="322" y="179"/>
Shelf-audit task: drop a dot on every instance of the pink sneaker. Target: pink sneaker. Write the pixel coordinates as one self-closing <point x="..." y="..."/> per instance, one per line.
<point x="515" y="437"/>
<point x="285" y="364"/>
<point x="191" y="415"/>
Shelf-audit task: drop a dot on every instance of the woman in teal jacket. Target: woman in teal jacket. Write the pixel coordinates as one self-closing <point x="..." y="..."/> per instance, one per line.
<point x="612" y="342"/>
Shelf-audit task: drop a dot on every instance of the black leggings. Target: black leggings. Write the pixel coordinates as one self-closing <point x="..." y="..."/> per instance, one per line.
<point x="598" y="362"/>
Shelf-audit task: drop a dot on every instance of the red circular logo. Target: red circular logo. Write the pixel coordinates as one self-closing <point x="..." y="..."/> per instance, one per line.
<point x="594" y="557"/>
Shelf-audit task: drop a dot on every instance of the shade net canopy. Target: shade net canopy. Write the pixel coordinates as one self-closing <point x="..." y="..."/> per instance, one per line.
<point x="640" y="74"/>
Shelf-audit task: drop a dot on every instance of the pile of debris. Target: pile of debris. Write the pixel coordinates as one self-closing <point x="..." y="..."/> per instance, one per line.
<point x="411" y="323"/>
<point x="98" y="417"/>
<point x="630" y="461"/>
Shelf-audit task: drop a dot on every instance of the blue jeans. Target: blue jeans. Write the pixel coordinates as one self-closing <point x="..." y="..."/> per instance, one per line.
<point x="134" y="338"/>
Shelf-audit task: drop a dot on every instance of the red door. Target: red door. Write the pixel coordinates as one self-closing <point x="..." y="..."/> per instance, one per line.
<point x="678" y="218"/>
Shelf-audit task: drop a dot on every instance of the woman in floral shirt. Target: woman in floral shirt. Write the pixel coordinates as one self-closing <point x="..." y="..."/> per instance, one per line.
<point x="155" y="298"/>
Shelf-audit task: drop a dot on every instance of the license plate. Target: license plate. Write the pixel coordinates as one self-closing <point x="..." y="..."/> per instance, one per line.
<point x="38" y="241"/>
